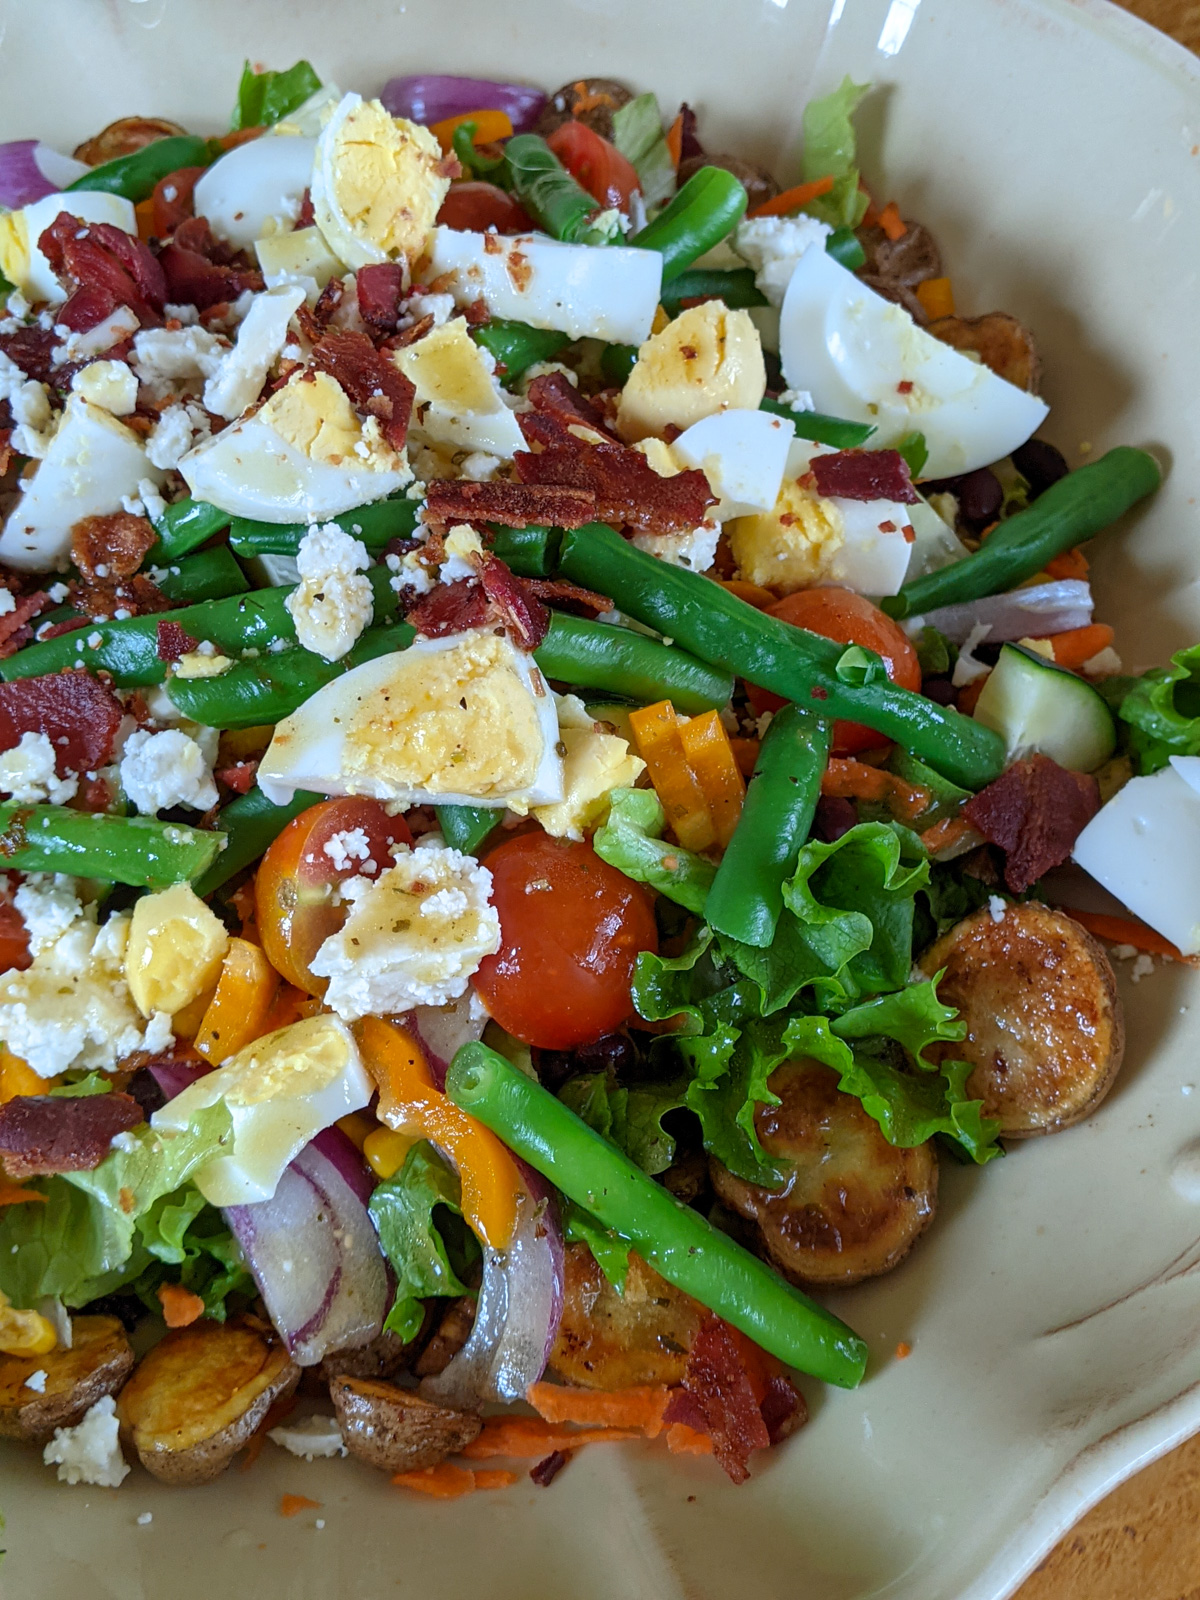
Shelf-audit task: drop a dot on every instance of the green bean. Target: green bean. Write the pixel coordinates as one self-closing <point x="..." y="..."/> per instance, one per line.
<point x="92" y="844"/>
<point x="597" y="655"/>
<point x="135" y="176"/>
<point x="204" y="575"/>
<point x="842" y="244"/>
<point x="466" y="827"/>
<point x="781" y="798"/>
<point x="735" y="287"/>
<point x="516" y="347"/>
<point x="708" y="207"/>
<point x="1074" y="509"/>
<point x="184" y="525"/>
<point x="548" y="191"/>
<point x="821" y="429"/>
<point x="719" y="628"/>
<point x="249" y="824"/>
<point x="680" y="1243"/>
<point x="616" y="363"/>
<point x="375" y="525"/>
<point x="491" y="169"/>
<point x="529" y="552"/>
<point x="270" y="687"/>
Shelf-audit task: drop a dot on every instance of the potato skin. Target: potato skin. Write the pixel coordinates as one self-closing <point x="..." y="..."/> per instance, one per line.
<point x="199" y="1395"/>
<point x="1044" y="1025"/>
<point x="98" y="1363"/>
<point x="123" y="138"/>
<point x="397" y="1429"/>
<point x="382" y="1358"/>
<point x="609" y="1341"/>
<point x="1000" y="342"/>
<point x="853" y="1205"/>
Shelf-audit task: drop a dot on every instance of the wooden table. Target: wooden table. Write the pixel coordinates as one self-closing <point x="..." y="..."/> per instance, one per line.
<point x="1143" y="1542"/>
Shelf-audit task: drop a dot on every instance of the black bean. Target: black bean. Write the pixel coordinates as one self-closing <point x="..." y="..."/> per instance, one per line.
<point x="1040" y="464"/>
<point x="980" y="497"/>
<point x="834" y="817"/>
<point x="144" y="1088"/>
<point x="940" y="690"/>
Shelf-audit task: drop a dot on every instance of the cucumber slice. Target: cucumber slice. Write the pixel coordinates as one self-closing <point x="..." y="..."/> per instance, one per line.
<point x="1038" y="707"/>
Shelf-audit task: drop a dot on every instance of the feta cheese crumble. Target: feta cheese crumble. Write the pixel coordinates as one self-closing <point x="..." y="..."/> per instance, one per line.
<point x="333" y="602"/>
<point x="310" y="1438"/>
<point x="343" y="848"/>
<point x="773" y="245"/>
<point x="27" y="773"/>
<point x="36" y="1381"/>
<point x="997" y="907"/>
<point x="48" y="905"/>
<point x="166" y="769"/>
<point x="696" y="550"/>
<point x="90" y="1452"/>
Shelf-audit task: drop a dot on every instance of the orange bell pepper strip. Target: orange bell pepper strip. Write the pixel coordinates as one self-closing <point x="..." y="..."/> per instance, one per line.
<point x="856" y="780"/>
<point x="241" y="1002"/>
<point x="490" y="126"/>
<point x="792" y="199"/>
<point x="711" y="758"/>
<point x="656" y="734"/>
<point x="410" y="1102"/>
<point x="745" y="753"/>
<point x="12" y="1194"/>
<point x="16" y="1078"/>
<point x="937" y="298"/>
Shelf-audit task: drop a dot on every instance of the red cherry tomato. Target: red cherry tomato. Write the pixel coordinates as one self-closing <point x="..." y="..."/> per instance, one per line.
<point x="845" y="616"/>
<point x="571" y="928"/>
<point x="14" y="940"/>
<point x="475" y="207"/>
<point x="595" y="164"/>
<point x="293" y="891"/>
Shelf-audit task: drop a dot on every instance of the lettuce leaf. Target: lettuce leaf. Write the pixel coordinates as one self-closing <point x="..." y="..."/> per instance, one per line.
<point x="418" y="1246"/>
<point x="265" y="98"/>
<point x="1162" y="711"/>
<point x="829" y="151"/>
<point x="631" y="840"/>
<point x="637" y="132"/>
<point x="630" y="1118"/>
<point x="610" y="1250"/>
<point x="188" y="1242"/>
<point x="731" y="1067"/>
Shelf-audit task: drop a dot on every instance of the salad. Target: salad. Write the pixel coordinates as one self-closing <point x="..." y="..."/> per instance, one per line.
<point x="545" y="681"/>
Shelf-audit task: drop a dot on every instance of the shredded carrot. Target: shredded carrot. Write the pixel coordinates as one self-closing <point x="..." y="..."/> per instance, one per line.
<point x="745" y="753"/>
<point x="675" y="141"/>
<point x="442" y="1482"/>
<point x="937" y="298"/>
<point x="707" y="749"/>
<point x="639" y="1407"/>
<point x="903" y="1350"/>
<point x="493" y="1478"/>
<point x="532" y="1438"/>
<point x="292" y="1504"/>
<point x="752" y="593"/>
<point x="1126" y="930"/>
<point x="793" y="199"/>
<point x="891" y="222"/>
<point x="656" y="734"/>
<point x="13" y="1195"/>
<point x="682" y="1440"/>
<point x="1077" y="645"/>
<point x="1071" y="564"/>
<point x="946" y="834"/>
<point x="855" y="780"/>
<point x="180" y="1306"/>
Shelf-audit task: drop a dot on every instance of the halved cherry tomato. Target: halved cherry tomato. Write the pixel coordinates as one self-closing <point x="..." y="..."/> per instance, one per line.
<point x="14" y="940"/>
<point x="845" y="616"/>
<point x="477" y="207"/>
<point x="595" y="164"/>
<point x="571" y="928"/>
<point x="294" y="889"/>
<point x="172" y="200"/>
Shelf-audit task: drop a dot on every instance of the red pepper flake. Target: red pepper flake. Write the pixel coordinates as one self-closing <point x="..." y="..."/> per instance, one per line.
<point x="864" y="475"/>
<point x="904" y="386"/>
<point x="1034" y="812"/>
<point x="909" y="532"/>
<point x="818" y="693"/>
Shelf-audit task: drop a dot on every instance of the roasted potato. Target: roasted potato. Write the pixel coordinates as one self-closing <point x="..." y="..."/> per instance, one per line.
<point x="852" y="1204"/>
<point x="97" y="1364"/>
<point x="396" y="1429"/>
<point x="124" y="137"/>
<point x="1044" y="1025"/>
<point x="382" y="1358"/>
<point x="590" y="100"/>
<point x="200" y="1394"/>
<point x="612" y="1341"/>
<point x="758" y="183"/>
<point x="1000" y="342"/>
<point x="894" y="267"/>
<point x="452" y="1333"/>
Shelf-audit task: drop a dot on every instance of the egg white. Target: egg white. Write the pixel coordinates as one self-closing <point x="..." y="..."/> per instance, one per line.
<point x="743" y="454"/>
<point x="260" y="180"/>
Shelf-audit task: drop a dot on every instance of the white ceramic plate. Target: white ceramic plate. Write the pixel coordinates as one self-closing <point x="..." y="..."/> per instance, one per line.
<point x="1054" y="1310"/>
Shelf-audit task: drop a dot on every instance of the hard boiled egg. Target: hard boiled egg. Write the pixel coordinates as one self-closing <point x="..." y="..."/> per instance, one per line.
<point x="862" y="357"/>
<point x="464" y="720"/>
<point x="281" y="1091"/>
<point x="742" y="454"/>
<point x="1144" y="847"/>
<point x="458" y="401"/>
<point x="24" y="265"/>
<point x="261" y="337"/>
<point x="92" y="463"/>
<point x="260" y="182"/>
<point x="377" y="184"/>
<point x="301" y="257"/>
<point x="707" y="359"/>
<point x="588" y="293"/>
<point x="304" y="457"/>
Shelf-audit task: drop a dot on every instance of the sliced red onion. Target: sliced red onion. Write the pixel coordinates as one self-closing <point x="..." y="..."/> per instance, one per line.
<point x="1036" y="613"/>
<point x="173" y="1077"/>
<point x="518" y="1313"/>
<point x="29" y="171"/>
<point x="347" y="1158"/>
<point x="431" y="96"/>
<point x="315" y="1258"/>
<point x="443" y="1029"/>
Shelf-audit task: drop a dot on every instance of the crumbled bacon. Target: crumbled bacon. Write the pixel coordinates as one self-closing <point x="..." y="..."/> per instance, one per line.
<point x="14" y="625"/>
<point x="380" y="287"/>
<point x="77" y="713"/>
<point x="239" y="777"/>
<point x="42" y="1133"/>
<point x="102" y="598"/>
<point x="108" y="260"/>
<point x="306" y="216"/>
<point x="626" y="486"/>
<point x="512" y="505"/>
<point x="173" y="200"/>
<point x="329" y="299"/>
<point x="864" y="475"/>
<point x="560" y="592"/>
<point x="117" y="543"/>
<point x="556" y="396"/>
<point x="689" y="144"/>
<point x="410" y="335"/>
<point x="548" y="1468"/>
<point x="173" y="642"/>
<point x="724" y="1387"/>
<point x="450" y="608"/>
<point x="783" y="1408"/>
<point x="85" y="308"/>
<point x="1034" y="812"/>
<point x="202" y="272"/>
<point x="371" y="382"/>
<point x="523" y="614"/>
<point x="31" y="349"/>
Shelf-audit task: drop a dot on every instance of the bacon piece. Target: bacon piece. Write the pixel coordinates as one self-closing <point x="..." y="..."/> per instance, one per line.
<point x="329" y="299"/>
<point x="783" y="1408"/>
<point x="523" y="614"/>
<point x="1035" y="812"/>
<point x="689" y="144"/>
<point x="864" y="475"/>
<point x="380" y="287"/>
<point x="371" y="382"/>
<point x="77" y="713"/>
<point x="117" y="542"/>
<point x="718" y="1398"/>
<point x="173" y="200"/>
<point x="101" y="598"/>
<point x="109" y="260"/>
<point x="556" y="396"/>
<point x="31" y="350"/>
<point x="202" y="272"/>
<point x="512" y="505"/>
<point x="14" y="626"/>
<point x="306" y="216"/>
<point x="239" y="777"/>
<point x="558" y="591"/>
<point x="42" y="1133"/>
<point x="173" y="642"/>
<point x="86" y="308"/>
<point x="626" y="486"/>
<point x="450" y="608"/>
<point x="548" y="1468"/>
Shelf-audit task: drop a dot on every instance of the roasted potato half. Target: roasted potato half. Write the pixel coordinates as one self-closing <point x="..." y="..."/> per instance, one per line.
<point x="199" y="1395"/>
<point x="124" y="138"/>
<point x="612" y="1341"/>
<point x="590" y="100"/>
<point x="1000" y="342"/>
<point x="396" y="1429"/>
<point x="382" y="1358"/>
<point x="1044" y="1026"/>
<point x="97" y="1364"/>
<point x="852" y="1204"/>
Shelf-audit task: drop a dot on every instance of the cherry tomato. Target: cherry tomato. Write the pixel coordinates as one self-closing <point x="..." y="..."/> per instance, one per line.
<point x="14" y="940"/>
<point x="293" y="891"/>
<point x="475" y="207"/>
<point x="845" y="616"/>
<point x="571" y="928"/>
<point x="595" y="164"/>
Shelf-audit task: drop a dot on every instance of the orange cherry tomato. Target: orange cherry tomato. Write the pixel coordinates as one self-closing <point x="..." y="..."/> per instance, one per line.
<point x="294" y="889"/>
<point x="595" y="164"/>
<point x="571" y="928"/>
<point x="850" y="619"/>
<point x="476" y="207"/>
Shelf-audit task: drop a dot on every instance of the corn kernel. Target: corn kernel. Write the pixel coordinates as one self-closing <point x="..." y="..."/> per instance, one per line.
<point x="357" y="1127"/>
<point x="385" y="1150"/>
<point x="176" y="946"/>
